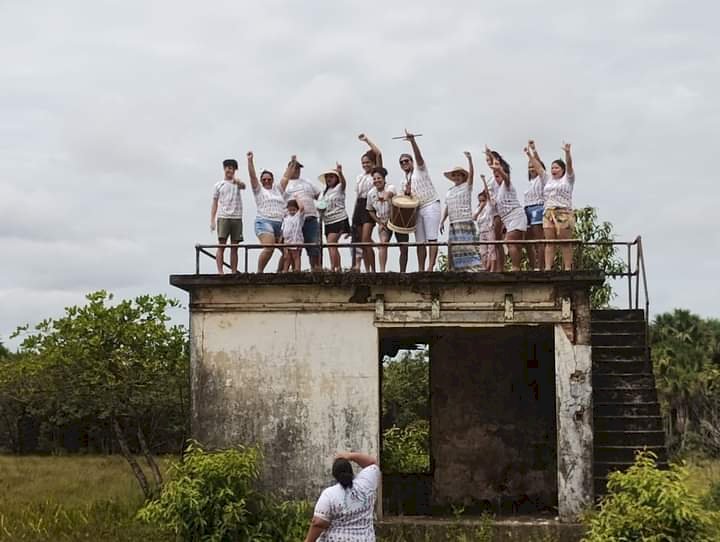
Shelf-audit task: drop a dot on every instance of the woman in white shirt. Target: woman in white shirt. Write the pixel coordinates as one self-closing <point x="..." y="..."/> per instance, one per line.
<point x="534" y="208"/>
<point x="270" y="211"/>
<point x="458" y="207"/>
<point x="335" y="217"/>
<point x="362" y="223"/>
<point x="344" y="511"/>
<point x="378" y="205"/>
<point x="559" y="217"/>
<point x="508" y="205"/>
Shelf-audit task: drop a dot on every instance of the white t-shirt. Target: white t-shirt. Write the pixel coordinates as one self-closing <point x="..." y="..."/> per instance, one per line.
<point x="350" y="511"/>
<point x="292" y="226"/>
<point x="558" y="192"/>
<point x="506" y="198"/>
<point x="335" y="199"/>
<point x="270" y="203"/>
<point x="534" y="192"/>
<point x="364" y="185"/>
<point x="421" y="186"/>
<point x="306" y="192"/>
<point x="459" y="203"/>
<point x="229" y="199"/>
<point x="484" y="220"/>
<point x="381" y="206"/>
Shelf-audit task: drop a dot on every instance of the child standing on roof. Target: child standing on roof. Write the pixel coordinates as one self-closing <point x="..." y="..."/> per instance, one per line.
<point x="292" y="233"/>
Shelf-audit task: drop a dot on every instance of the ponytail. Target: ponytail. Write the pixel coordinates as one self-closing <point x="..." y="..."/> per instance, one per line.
<point x="343" y="473"/>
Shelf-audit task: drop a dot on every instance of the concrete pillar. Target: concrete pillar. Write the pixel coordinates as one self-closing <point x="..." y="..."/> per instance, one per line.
<point x="573" y="385"/>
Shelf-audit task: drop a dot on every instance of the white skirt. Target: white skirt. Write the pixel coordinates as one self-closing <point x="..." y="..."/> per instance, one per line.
<point x="515" y="220"/>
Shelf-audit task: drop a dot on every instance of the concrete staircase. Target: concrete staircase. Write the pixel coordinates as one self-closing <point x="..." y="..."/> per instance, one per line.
<point x="626" y="409"/>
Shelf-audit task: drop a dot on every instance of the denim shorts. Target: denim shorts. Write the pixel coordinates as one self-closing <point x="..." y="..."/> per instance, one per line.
<point x="311" y="234"/>
<point x="263" y="226"/>
<point x="534" y="214"/>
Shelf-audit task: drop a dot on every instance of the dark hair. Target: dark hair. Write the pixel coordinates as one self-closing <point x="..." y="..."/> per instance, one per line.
<point x="264" y="171"/>
<point x="541" y="163"/>
<point x="503" y="164"/>
<point x="370" y="155"/>
<point x="561" y="164"/>
<point x="405" y="155"/>
<point x="343" y="473"/>
<point x="379" y="169"/>
<point x="293" y="203"/>
<point x="230" y="162"/>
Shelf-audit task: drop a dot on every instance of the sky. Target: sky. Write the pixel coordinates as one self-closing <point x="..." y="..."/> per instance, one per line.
<point x="116" y="116"/>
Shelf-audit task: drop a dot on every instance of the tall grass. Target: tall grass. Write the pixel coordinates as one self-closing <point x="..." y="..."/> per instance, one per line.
<point x="71" y="498"/>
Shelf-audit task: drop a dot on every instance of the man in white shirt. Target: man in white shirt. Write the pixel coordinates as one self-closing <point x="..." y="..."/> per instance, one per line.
<point x="419" y="185"/>
<point x="226" y="214"/>
<point x="305" y="192"/>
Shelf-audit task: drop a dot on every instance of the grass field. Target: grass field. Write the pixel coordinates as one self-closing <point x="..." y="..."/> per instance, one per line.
<point x="95" y="499"/>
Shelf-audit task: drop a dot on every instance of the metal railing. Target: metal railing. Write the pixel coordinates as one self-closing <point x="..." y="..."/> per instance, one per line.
<point x="636" y="275"/>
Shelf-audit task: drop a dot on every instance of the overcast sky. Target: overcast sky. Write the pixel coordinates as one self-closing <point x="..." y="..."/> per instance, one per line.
<point x="117" y="115"/>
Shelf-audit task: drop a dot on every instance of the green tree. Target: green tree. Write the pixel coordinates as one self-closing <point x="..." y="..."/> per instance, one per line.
<point x="120" y="364"/>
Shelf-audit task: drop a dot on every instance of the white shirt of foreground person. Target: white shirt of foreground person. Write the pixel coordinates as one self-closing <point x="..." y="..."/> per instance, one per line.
<point x="350" y="511"/>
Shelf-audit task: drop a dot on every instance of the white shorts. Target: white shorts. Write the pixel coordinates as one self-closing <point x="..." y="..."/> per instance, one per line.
<point x="515" y="220"/>
<point x="427" y="225"/>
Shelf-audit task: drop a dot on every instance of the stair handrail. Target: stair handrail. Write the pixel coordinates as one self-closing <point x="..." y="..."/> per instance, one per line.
<point x="641" y="270"/>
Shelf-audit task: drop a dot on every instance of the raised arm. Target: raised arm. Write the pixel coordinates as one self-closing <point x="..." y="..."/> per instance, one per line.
<point x="251" y="172"/>
<point x="533" y="149"/>
<point x="288" y="171"/>
<point x="419" y="160"/>
<point x="363" y="460"/>
<point x="375" y="148"/>
<point x="535" y="161"/>
<point x="471" y="170"/>
<point x="343" y="182"/>
<point x="568" y="159"/>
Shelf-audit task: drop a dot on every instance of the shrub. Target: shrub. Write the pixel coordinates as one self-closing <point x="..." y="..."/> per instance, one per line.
<point x="650" y="505"/>
<point x="407" y="450"/>
<point x="212" y="497"/>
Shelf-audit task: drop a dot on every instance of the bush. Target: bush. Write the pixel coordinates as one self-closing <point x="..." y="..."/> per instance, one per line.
<point x="711" y="499"/>
<point x="650" y="505"/>
<point x="407" y="450"/>
<point x="213" y="497"/>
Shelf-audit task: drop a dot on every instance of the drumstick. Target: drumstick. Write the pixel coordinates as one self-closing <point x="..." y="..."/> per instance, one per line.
<point x="405" y="137"/>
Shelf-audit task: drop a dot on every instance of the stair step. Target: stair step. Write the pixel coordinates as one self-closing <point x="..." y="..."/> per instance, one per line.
<point x="618" y="339"/>
<point x="615" y="395"/>
<point x="609" y="326"/>
<point x="616" y="409"/>
<point x="629" y="438"/>
<point x="602" y="468"/>
<point x="609" y="353"/>
<point x="624" y="381"/>
<point x="628" y="423"/>
<point x="623" y="454"/>
<point x="619" y="366"/>
<point x="617" y="314"/>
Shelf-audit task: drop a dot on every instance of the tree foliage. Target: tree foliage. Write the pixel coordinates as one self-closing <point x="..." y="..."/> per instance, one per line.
<point x="118" y="366"/>
<point x="213" y="497"/>
<point x="651" y="505"/>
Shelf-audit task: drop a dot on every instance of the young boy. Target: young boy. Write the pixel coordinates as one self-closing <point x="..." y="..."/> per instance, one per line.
<point x="226" y="214"/>
<point x="292" y="231"/>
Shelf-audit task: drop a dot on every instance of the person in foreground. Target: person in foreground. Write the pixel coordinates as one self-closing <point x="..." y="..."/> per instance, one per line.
<point x="344" y="511"/>
<point x="226" y="214"/>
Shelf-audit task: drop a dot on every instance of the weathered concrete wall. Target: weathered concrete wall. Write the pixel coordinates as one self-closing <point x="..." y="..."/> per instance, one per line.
<point x="493" y="418"/>
<point x="303" y="385"/>
<point x="573" y="380"/>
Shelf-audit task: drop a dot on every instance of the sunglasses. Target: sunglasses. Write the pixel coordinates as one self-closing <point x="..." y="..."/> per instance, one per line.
<point x="405" y="161"/>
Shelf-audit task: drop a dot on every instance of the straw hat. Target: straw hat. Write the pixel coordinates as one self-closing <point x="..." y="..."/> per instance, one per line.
<point x="455" y="170"/>
<point x="321" y="177"/>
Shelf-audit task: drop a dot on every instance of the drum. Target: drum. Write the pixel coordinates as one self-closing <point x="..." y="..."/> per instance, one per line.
<point x="403" y="214"/>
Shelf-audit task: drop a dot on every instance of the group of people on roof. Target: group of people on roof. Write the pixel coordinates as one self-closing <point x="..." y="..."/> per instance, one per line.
<point x="290" y="213"/>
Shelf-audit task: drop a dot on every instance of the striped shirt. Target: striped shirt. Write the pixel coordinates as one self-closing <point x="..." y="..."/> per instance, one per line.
<point x="363" y="185"/>
<point x="421" y="186"/>
<point x="459" y="204"/>
<point x="292" y="226"/>
<point x="335" y="199"/>
<point x="506" y="198"/>
<point x="350" y="511"/>
<point x="534" y="192"/>
<point x="558" y="192"/>
<point x="306" y="192"/>
<point x="484" y="220"/>
<point x="381" y="207"/>
<point x="229" y="199"/>
<point x="270" y="203"/>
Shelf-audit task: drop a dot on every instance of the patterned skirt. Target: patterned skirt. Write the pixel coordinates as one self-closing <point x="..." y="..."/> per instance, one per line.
<point x="464" y="257"/>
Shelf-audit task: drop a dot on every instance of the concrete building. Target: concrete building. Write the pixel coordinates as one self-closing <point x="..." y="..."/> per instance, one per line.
<point x="293" y="362"/>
